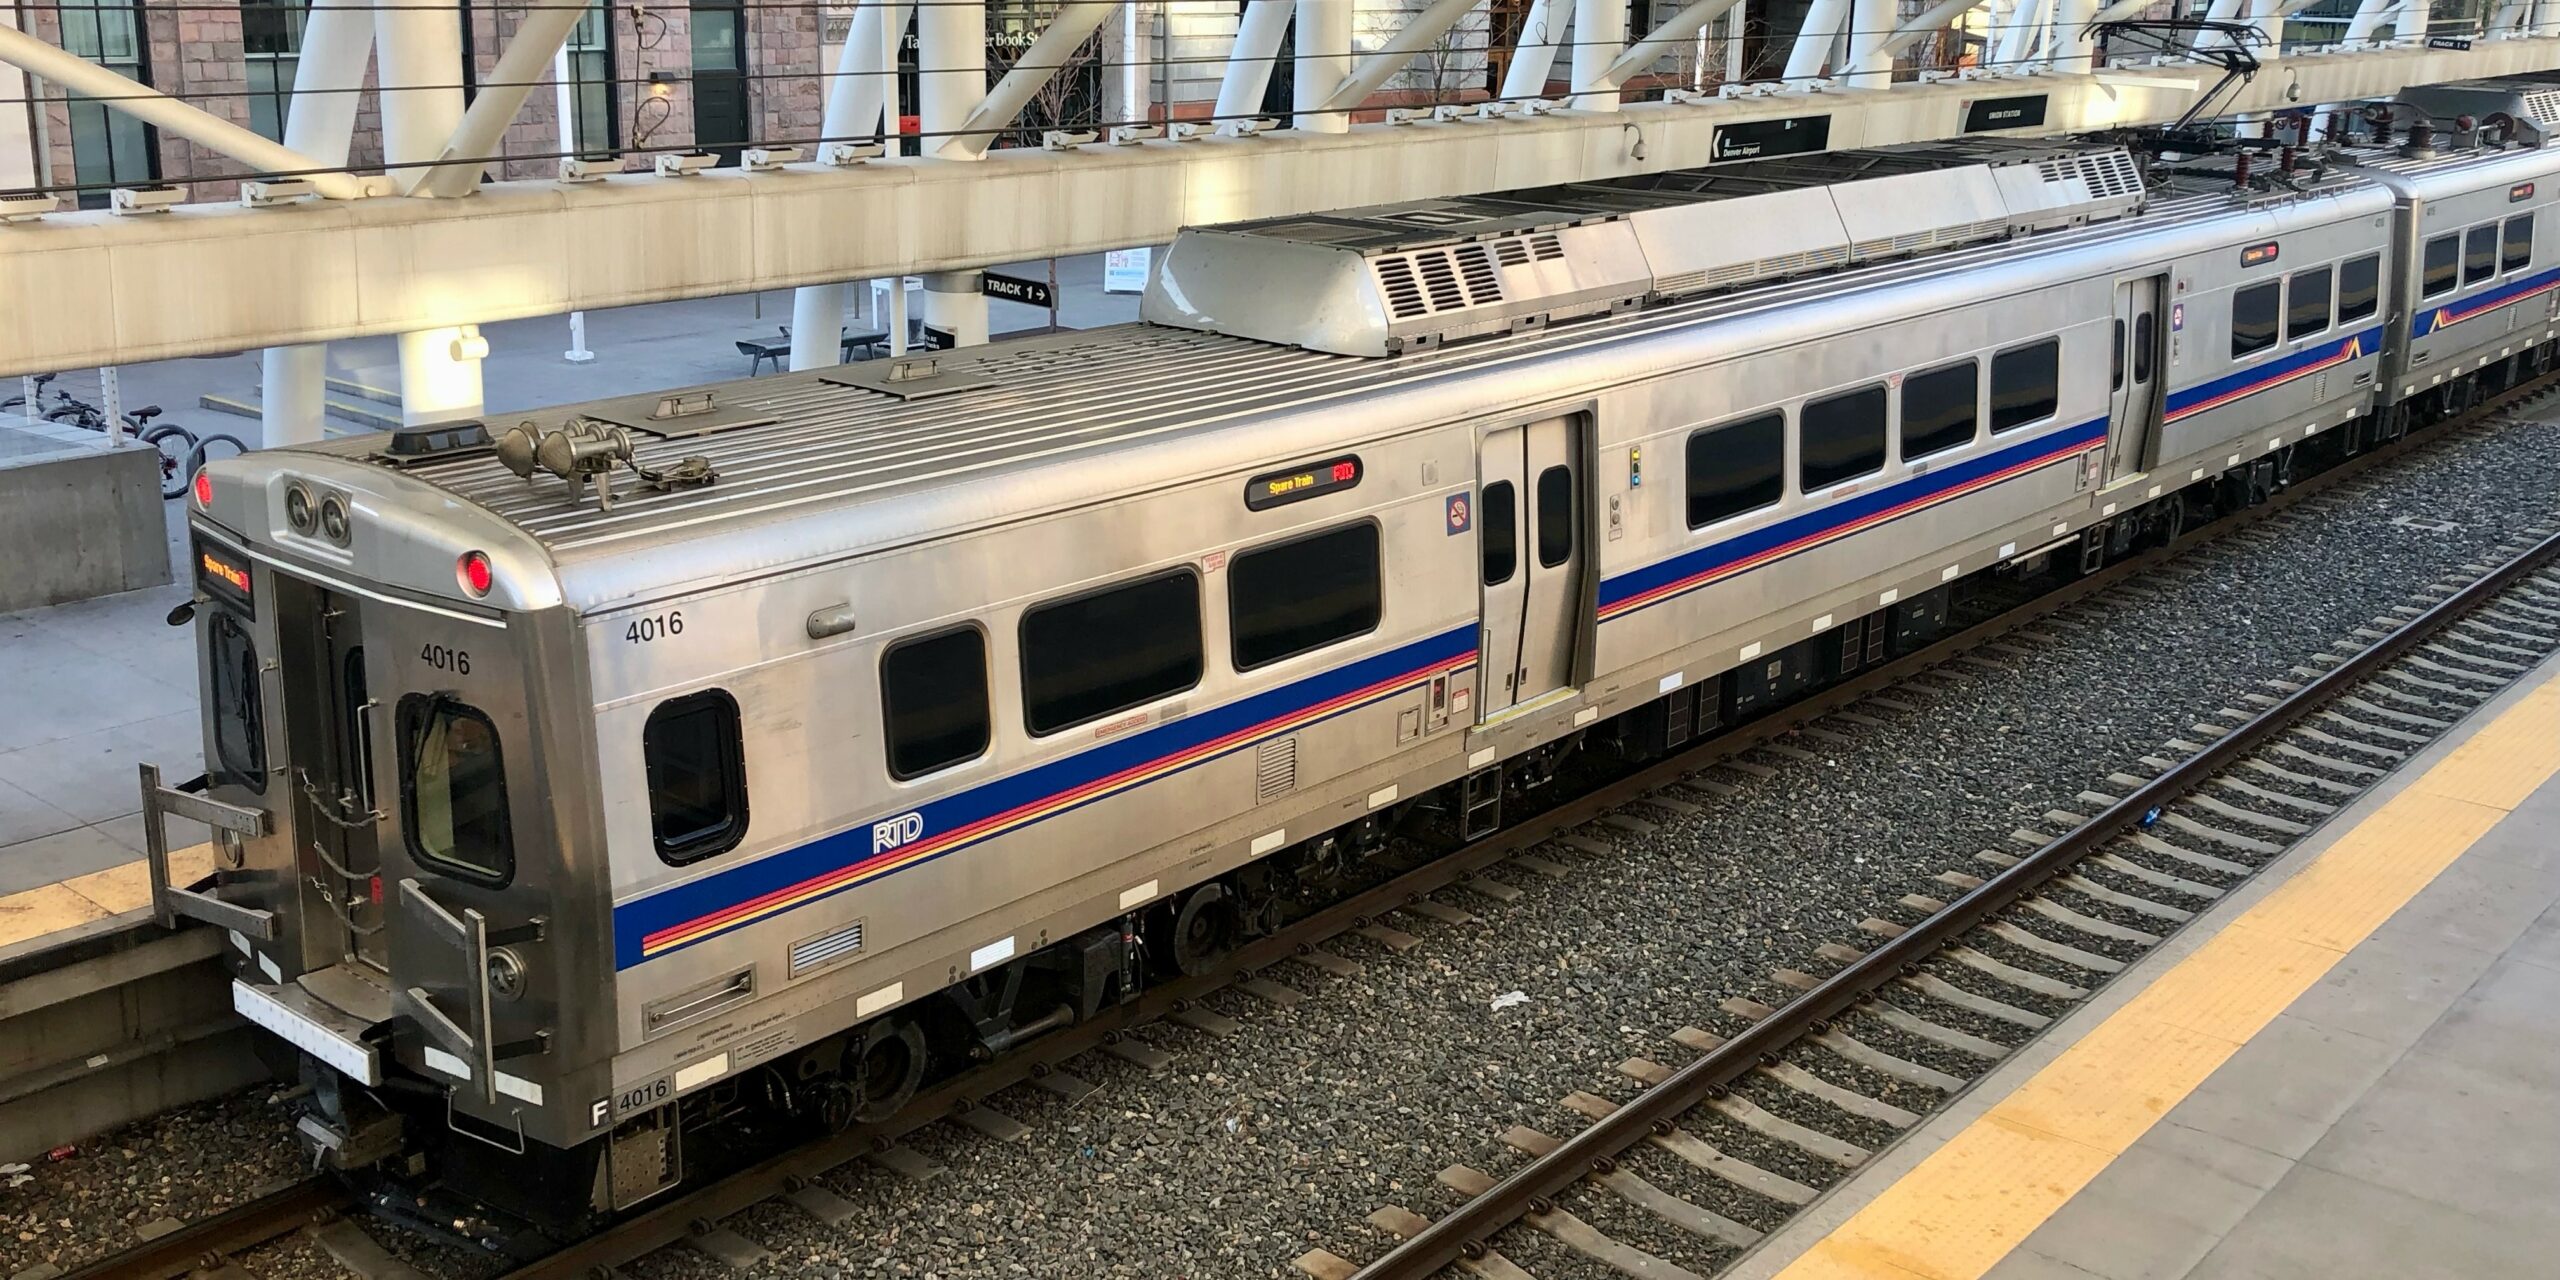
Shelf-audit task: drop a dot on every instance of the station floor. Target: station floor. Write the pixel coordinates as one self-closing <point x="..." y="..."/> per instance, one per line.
<point x="2349" y="1068"/>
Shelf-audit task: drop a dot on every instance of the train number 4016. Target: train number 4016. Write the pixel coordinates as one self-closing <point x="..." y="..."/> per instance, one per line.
<point x="655" y="626"/>
<point x="457" y="661"/>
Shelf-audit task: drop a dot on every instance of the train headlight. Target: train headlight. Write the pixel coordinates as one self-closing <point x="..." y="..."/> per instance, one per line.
<point x="297" y="508"/>
<point x="474" y="573"/>
<point x="333" y="519"/>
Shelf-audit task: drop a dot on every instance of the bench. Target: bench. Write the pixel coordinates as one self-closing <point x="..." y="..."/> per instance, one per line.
<point x="777" y="351"/>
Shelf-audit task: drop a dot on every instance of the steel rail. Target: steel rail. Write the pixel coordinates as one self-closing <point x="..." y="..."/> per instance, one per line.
<point x="206" y="1242"/>
<point x="1466" y="1231"/>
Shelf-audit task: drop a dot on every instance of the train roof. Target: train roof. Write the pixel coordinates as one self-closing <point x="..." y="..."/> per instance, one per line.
<point x="821" y="465"/>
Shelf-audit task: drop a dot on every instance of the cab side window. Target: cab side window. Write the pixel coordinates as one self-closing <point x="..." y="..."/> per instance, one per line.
<point x="453" y="792"/>
<point x="697" y="776"/>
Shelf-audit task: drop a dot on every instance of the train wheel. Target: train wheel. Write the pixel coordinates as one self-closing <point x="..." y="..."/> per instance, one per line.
<point x="1205" y="929"/>
<point x="888" y="1067"/>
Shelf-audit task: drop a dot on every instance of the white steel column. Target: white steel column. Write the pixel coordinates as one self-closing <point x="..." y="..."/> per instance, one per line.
<point x="1670" y="35"/>
<point x="536" y="43"/>
<point x="853" y="108"/>
<point x="1249" y="62"/>
<point x="1814" y="39"/>
<point x="1068" y="28"/>
<point x="2067" y="46"/>
<point x="951" y="54"/>
<point x="1871" y="23"/>
<point x="2367" y="19"/>
<point x="1324" y="61"/>
<point x="419" y="48"/>
<point x="1421" y="30"/>
<point x="2409" y="22"/>
<point x="1599" y="36"/>
<point x="1533" y="59"/>
<point x="2264" y="15"/>
<point x="337" y="40"/>
<point x="17" y="132"/>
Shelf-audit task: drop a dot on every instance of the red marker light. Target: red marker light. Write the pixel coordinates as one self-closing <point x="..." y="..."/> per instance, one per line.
<point x="204" y="489"/>
<point x="473" y="569"/>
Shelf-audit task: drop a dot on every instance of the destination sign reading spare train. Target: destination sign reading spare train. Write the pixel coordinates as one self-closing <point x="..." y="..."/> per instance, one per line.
<point x="1759" y="139"/>
<point x="1297" y="484"/>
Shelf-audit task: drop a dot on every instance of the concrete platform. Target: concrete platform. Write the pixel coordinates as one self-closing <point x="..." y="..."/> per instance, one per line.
<point x="2350" y="1068"/>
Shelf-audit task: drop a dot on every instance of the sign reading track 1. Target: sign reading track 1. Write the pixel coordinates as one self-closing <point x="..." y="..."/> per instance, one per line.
<point x="1030" y="293"/>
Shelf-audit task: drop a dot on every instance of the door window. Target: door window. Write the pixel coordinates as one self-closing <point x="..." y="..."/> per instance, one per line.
<point x="1555" y="516"/>
<point x="2142" y="331"/>
<point x="1498" y="532"/>
<point x="453" y="793"/>
<point x="239" y="717"/>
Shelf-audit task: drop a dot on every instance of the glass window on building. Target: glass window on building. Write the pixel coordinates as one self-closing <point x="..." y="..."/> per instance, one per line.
<point x="590" y="60"/>
<point x="108" y="147"/>
<point x="271" y="43"/>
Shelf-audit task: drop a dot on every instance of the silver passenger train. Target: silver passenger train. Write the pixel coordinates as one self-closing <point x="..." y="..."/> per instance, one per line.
<point x="761" y="749"/>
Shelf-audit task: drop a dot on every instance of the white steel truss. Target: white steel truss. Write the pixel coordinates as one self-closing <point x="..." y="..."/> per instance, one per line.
<point x="453" y="252"/>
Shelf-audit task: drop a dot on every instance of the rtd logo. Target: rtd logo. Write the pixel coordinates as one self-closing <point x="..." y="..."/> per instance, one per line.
<point x="894" y="832"/>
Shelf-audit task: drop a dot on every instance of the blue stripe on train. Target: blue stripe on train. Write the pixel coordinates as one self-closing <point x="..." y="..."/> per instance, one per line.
<point x="1666" y="579"/>
<point x="2460" y="309"/>
<point x="2232" y="386"/>
<point x="844" y="852"/>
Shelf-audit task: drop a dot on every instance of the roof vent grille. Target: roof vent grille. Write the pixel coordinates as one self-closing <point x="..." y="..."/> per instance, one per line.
<point x="1484" y="282"/>
<point x="1404" y="293"/>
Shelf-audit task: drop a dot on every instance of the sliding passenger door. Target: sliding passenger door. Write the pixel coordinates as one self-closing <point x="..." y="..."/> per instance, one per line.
<point x="1529" y="538"/>
<point x="2133" y="416"/>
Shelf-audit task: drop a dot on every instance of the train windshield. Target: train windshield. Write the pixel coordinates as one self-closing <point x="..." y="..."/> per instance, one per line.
<point x="239" y="729"/>
<point x="453" y="793"/>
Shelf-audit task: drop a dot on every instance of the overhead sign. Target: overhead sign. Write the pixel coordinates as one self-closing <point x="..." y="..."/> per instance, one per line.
<point x="1758" y="139"/>
<point x="2448" y="42"/>
<point x="1030" y="293"/>
<point x="1125" y="270"/>
<point x="939" y="339"/>
<point x="1985" y="114"/>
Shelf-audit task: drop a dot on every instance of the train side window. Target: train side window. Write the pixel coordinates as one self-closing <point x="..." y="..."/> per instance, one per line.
<point x="453" y="789"/>
<point x="1940" y="407"/>
<point x="1088" y="656"/>
<point x="2516" y="251"/>
<point x="2306" y="303"/>
<point x="1735" y="468"/>
<point x="239" y="714"/>
<point x="2142" y="339"/>
<point x="933" y="701"/>
<point x="2026" y="384"/>
<point x="2115" y="363"/>
<point x="1842" y="438"/>
<point x="1555" y="516"/>
<point x="2359" y="288"/>
<point x="1498" y="531"/>
<point x="2253" y="318"/>
<point x="697" y="776"/>
<point x="2443" y="265"/>
<point x="2480" y="253"/>
<point x="1292" y="597"/>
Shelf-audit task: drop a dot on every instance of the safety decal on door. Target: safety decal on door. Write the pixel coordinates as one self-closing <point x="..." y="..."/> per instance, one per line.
<point x="1461" y="513"/>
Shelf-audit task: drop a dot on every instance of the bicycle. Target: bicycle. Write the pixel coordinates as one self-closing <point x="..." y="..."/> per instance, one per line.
<point x="180" y="450"/>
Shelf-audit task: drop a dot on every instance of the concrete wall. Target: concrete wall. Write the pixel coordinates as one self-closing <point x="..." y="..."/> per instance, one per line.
<point x="111" y="497"/>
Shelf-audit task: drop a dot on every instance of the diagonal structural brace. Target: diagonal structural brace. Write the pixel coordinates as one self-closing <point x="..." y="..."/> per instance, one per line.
<point x="1040" y="62"/>
<point x="1402" y="47"/>
<point x="457" y="171"/>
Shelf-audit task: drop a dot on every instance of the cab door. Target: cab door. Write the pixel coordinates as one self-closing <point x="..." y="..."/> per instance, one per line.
<point x="1532" y="556"/>
<point x="329" y="739"/>
<point x="2133" y="413"/>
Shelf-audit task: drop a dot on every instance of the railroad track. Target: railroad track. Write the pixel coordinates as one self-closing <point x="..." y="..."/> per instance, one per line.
<point x="1999" y="950"/>
<point x="210" y="1245"/>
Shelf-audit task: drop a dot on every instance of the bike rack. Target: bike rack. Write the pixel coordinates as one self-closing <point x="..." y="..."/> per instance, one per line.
<point x="231" y="824"/>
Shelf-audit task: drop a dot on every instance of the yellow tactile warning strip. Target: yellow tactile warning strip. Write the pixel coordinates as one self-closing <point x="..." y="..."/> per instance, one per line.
<point x="1961" y="1210"/>
<point x="95" y="896"/>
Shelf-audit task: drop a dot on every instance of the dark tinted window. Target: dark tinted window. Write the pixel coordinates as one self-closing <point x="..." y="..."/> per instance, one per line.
<point x="2359" y="288"/>
<point x="1303" y="594"/>
<point x="453" y="792"/>
<point x="2443" y="264"/>
<point x="697" y="776"/>
<point x="2026" y="384"/>
<point x="1842" y="438"/>
<point x="239" y="717"/>
<point x="1940" y="406"/>
<point x="2306" y="303"/>
<point x="1498" y="532"/>
<point x="2115" y="376"/>
<point x="2480" y="253"/>
<point x="933" y="701"/>
<point x="1555" y="516"/>
<point x="2253" y="318"/>
<point x="2142" y="339"/>
<point x="1084" y="658"/>
<point x="2517" y="252"/>
<point x="1737" y="468"/>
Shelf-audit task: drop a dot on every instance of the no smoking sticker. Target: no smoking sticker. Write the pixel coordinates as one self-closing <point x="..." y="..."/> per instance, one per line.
<point x="1461" y="514"/>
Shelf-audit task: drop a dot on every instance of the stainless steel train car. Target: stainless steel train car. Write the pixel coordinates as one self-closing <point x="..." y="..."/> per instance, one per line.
<point x="744" y="755"/>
